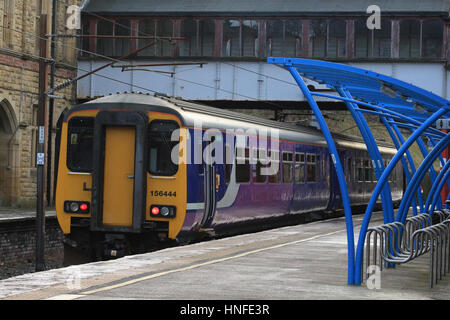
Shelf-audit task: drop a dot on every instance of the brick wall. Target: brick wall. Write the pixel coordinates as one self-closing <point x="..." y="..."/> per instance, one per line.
<point x="17" y="247"/>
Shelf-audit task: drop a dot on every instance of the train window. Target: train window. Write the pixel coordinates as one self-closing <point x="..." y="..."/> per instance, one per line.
<point x="349" y="169"/>
<point x="367" y="171"/>
<point x="274" y="157"/>
<point x="260" y="154"/>
<point x="299" y="168"/>
<point x="228" y="164"/>
<point x="160" y="147"/>
<point x="287" y="167"/>
<point x="360" y="170"/>
<point x="80" y="143"/>
<point x="242" y="165"/>
<point x="310" y="167"/>
<point x="318" y="169"/>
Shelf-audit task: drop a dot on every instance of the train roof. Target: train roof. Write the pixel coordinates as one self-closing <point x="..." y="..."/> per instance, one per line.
<point x="194" y="114"/>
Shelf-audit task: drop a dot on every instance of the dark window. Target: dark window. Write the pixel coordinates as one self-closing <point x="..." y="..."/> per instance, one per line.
<point x="164" y="28"/>
<point x="242" y="165"/>
<point x="432" y="34"/>
<point x="336" y="39"/>
<point x="293" y="38"/>
<point x="260" y="154"/>
<point x="363" y="39"/>
<point x="105" y="45"/>
<point x="231" y="36"/>
<point x="274" y="157"/>
<point x="228" y="164"/>
<point x="274" y="39"/>
<point x="367" y="171"/>
<point x="410" y="39"/>
<point x="311" y="168"/>
<point x="299" y="168"/>
<point x="382" y="40"/>
<point x="160" y="147"/>
<point x="188" y="46"/>
<point x="206" y="37"/>
<point x="287" y="167"/>
<point x="318" y="38"/>
<point x="80" y="143"/>
<point x="360" y="170"/>
<point x="85" y="40"/>
<point x="374" y="43"/>
<point x="146" y="28"/>
<point x="249" y="38"/>
<point x="122" y="46"/>
<point x="349" y="170"/>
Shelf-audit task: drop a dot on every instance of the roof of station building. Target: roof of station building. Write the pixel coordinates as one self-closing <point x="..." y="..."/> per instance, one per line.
<point x="265" y="7"/>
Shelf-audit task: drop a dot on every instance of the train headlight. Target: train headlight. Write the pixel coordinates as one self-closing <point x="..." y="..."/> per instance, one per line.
<point x="76" y="206"/>
<point x="162" y="211"/>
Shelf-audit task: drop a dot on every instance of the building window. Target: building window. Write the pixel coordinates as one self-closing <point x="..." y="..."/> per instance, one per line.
<point x="382" y="40"/>
<point x="293" y="38"/>
<point x="239" y="38"/>
<point x="336" y="39"/>
<point x="84" y="42"/>
<point x="274" y="38"/>
<point x="231" y="38"/>
<point x="299" y="168"/>
<point x="105" y="45"/>
<point x="206" y="37"/>
<point x="287" y="167"/>
<point x="250" y="38"/>
<point x="318" y="38"/>
<point x="164" y="48"/>
<point x="152" y="28"/>
<point x="188" y="47"/>
<point x="146" y="28"/>
<point x="410" y="39"/>
<point x="374" y="43"/>
<point x="122" y="46"/>
<point x="432" y="35"/>
<point x="8" y="18"/>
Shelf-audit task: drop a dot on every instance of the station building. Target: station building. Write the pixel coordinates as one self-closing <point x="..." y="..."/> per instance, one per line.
<point x="214" y="52"/>
<point x="230" y="41"/>
<point x="19" y="74"/>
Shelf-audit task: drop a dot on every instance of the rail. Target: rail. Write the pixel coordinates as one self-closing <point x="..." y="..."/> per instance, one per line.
<point x="397" y="243"/>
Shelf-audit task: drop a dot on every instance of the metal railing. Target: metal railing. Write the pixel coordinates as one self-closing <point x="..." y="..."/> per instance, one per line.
<point x="397" y="243"/>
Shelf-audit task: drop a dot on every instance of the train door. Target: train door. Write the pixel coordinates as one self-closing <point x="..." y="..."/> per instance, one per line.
<point x="119" y="179"/>
<point x="210" y="187"/>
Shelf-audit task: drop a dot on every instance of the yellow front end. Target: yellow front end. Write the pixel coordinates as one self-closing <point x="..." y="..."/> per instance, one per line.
<point x="118" y="176"/>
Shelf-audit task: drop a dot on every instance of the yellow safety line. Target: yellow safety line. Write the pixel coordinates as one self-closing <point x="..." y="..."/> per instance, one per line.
<point x="156" y="275"/>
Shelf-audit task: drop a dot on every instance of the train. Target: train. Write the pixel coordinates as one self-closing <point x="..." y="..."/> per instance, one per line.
<point x="137" y="170"/>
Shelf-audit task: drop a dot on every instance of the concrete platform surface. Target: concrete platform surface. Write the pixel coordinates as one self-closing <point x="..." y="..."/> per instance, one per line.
<point x="291" y="263"/>
<point x="13" y="214"/>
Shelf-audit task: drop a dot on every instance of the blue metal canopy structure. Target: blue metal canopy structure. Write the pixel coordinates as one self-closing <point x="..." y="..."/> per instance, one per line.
<point x="399" y="105"/>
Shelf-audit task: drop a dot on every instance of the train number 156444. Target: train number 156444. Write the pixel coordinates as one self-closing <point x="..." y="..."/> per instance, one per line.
<point x="160" y="193"/>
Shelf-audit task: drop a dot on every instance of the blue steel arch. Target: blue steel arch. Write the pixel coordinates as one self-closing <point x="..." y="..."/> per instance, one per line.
<point x="397" y="103"/>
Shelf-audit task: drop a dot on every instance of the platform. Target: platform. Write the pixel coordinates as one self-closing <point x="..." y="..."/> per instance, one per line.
<point x="291" y="263"/>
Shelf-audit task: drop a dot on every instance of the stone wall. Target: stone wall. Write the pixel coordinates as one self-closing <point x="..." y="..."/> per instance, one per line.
<point x="19" y="72"/>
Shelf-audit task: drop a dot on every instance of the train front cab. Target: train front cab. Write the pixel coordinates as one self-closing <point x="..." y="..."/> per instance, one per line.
<point x="116" y="176"/>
